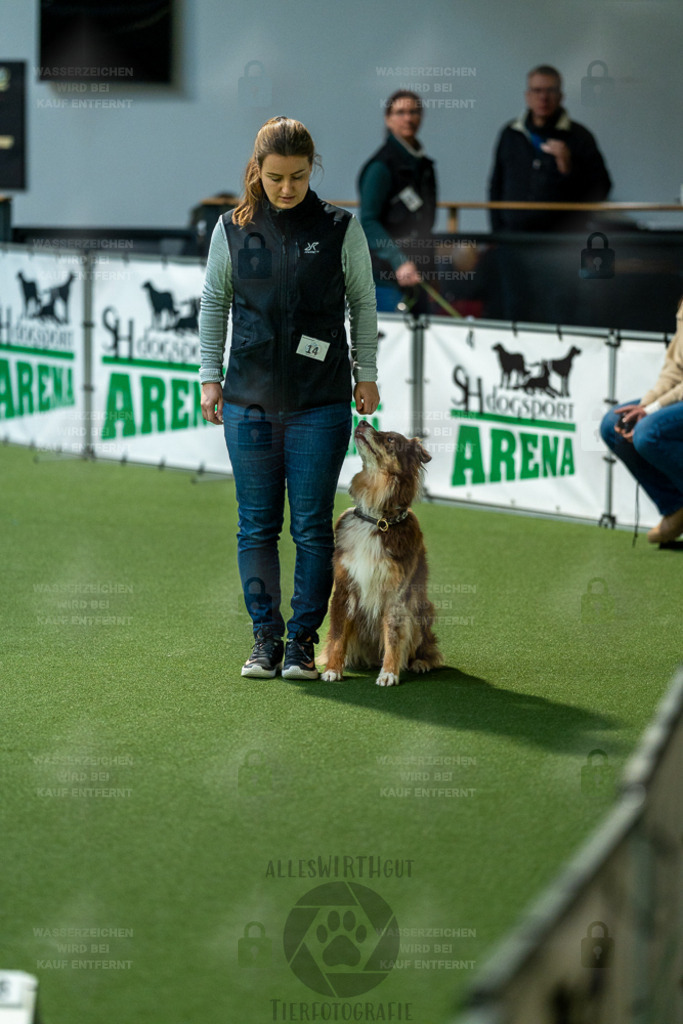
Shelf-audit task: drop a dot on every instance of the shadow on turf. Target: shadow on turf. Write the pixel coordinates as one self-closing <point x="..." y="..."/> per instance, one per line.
<point x="451" y="698"/>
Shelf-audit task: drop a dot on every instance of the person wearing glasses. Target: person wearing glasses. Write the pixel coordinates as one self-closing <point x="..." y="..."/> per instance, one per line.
<point x="544" y="156"/>
<point x="397" y="188"/>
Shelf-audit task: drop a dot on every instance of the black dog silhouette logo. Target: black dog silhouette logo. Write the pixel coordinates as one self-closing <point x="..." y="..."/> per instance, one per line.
<point x="166" y="316"/>
<point x="50" y="304"/>
<point x="547" y="376"/>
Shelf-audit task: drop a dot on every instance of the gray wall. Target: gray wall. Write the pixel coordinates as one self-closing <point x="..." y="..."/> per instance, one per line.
<point x="148" y="162"/>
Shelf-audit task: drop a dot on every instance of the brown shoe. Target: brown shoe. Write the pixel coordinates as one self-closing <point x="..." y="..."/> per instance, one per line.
<point x="669" y="528"/>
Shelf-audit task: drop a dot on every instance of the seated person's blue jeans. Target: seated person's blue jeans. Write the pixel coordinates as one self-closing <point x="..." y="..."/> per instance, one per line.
<point x="655" y="458"/>
<point x="303" y="453"/>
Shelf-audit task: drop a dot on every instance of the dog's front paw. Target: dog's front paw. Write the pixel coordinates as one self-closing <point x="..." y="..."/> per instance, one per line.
<point x="387" y="679"/>
<point x="331" y="676"/>
<point x="419" y="665"/>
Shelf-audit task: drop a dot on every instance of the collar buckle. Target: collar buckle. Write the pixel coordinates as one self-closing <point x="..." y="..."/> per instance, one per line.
<point x="383" y="522"/>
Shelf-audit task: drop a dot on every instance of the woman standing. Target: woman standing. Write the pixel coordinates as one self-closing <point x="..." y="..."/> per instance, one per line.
<point x="284" y="264"/>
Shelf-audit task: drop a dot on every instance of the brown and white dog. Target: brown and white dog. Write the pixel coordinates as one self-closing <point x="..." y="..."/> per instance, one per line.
<point x="380" y="613"/>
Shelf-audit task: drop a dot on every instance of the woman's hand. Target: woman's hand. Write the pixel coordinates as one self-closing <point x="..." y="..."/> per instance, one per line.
<point x="212" y="402"/>
<point x="632" y="414"/>
<point x="366" y="397"/>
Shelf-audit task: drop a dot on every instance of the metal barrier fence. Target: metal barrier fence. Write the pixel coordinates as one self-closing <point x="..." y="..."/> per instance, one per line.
<point x="604" y="945"/>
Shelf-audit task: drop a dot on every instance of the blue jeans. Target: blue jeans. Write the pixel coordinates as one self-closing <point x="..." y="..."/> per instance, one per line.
<point x="303" y="453"/>
<point x="655" y="458"/>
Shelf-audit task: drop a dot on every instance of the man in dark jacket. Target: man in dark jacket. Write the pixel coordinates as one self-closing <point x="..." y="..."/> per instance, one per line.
<point x="543" y="156"/>
<point x="397" y="189"/>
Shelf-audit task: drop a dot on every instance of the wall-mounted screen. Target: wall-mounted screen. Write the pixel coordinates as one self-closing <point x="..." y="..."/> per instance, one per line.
<point x="105" y="40"/>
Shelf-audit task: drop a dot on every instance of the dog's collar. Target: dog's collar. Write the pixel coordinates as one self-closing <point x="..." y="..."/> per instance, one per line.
<point x="382" y="522"/>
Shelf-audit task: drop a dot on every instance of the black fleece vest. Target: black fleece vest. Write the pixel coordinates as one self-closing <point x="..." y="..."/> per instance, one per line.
<point x="288" y="294"/>
<point x="406" y="171"/>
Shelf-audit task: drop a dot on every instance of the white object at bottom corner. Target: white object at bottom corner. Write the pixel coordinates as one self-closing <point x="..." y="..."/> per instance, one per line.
<point x="18" y="991"/>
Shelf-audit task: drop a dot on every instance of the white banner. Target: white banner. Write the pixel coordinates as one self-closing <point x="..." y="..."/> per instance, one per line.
<point x="41" y="349"/>
<point x="512" y="418"/>
<point x="147" y="397"/>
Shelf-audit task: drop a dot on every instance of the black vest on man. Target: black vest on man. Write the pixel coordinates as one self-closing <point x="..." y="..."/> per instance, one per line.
<point x="400" y="222"/>
<point x="288" y="285"/>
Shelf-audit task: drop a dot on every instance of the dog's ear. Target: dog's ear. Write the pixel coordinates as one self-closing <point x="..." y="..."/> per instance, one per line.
<point x="422" y="453"/>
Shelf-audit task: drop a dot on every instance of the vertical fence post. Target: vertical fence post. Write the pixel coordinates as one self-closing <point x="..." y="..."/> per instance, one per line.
<point x="417" y="326"/>
<point x="613" y="342"/>
<point x="88" y="324"/>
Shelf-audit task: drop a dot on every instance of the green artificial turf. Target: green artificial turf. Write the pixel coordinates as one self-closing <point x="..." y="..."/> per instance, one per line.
<point x="158" y="801"/>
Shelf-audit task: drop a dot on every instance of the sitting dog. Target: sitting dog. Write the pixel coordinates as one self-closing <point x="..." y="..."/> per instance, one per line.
<point x="380" y="613"/>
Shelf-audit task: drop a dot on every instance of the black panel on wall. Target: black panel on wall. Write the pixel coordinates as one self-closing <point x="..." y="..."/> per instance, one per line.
<point x="12" y="125"/>
<point x="105" y="40"/>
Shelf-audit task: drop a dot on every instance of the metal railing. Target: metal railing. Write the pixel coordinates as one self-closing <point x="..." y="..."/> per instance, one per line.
<point x="454" y="208"/>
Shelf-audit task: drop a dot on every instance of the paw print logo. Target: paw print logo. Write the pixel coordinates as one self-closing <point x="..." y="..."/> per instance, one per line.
<point x="341" y="939"/>
<point x="342" y="948"/>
